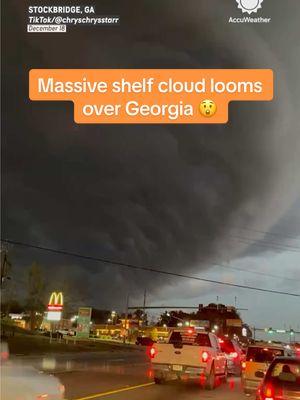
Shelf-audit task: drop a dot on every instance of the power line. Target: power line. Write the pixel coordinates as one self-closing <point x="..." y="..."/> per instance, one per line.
<point x="267" y="245"/>
<point x="275" y="234"/>
<point x="229" y="267"/>
<point x="260" y="242"/>
<point x="152" y="269"/>
<point x="256" y="242"/>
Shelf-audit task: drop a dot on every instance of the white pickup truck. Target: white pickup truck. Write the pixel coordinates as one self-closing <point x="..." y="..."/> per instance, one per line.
<point x="189" y="353"/>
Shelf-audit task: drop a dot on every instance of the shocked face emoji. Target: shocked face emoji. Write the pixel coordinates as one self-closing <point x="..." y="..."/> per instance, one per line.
<point x="207" y="108"/>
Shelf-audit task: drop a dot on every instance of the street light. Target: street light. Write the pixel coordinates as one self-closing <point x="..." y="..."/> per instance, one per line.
<point x="113" y="316"/>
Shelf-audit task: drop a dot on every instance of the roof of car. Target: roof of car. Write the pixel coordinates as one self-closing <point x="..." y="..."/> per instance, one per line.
<point x="268" y="345"/>
<point x="288" y="359"/>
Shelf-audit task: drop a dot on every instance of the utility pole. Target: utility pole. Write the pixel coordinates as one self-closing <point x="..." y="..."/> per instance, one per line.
<point x="144" y="307"/>
<point x="126" y="317"/>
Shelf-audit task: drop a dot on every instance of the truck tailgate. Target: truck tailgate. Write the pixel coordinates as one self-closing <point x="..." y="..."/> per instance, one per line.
<point x="186" y="355"/>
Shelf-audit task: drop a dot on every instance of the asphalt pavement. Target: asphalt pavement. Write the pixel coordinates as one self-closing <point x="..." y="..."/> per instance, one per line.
<point x="123" y="375"/>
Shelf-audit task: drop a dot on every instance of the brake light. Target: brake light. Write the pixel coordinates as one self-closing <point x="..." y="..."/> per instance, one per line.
<point x="205" y="356"/>
<point x="62" y="389"/>
<point x="152" y="352"/>
<point x="268" y="393"/>
<point x="4" y="355"/>
<point x="233" y="355"/>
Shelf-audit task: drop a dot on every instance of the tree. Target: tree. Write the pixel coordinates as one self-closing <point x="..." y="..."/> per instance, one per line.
<point x="140" y="315"/>
<point x="11" y="306"/>
<point x="36" y="291"/>
<point x="5" y="266"/>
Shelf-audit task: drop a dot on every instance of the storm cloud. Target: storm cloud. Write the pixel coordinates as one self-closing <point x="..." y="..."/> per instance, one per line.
<point x="167" y="195"/>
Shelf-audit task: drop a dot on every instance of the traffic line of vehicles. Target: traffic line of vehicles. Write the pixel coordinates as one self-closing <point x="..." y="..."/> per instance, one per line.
<point x="268" y="371"/>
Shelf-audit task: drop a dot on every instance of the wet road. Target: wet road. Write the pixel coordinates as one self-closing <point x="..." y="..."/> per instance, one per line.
<point x="123" y="375"/>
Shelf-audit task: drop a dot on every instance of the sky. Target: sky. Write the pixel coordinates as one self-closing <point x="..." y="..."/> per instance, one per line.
<point x="178" y="197"/>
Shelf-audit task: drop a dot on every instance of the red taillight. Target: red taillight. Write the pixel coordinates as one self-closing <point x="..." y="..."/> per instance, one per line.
<point x="233" y="355"/>
<point x="152" y="352"/>
<point x="205" y="356"/>
<point x="268" y="392"/>
<point x="4" y="355"/>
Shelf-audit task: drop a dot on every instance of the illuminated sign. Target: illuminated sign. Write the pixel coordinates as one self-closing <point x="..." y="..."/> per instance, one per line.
<point x="54" y="315"/>
<point x="83" y="322"/>
<point x="234" y="322"/>
<point x="56" y="302"/>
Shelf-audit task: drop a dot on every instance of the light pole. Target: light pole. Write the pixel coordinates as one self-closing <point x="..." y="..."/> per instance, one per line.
<point x="113" y="316"/>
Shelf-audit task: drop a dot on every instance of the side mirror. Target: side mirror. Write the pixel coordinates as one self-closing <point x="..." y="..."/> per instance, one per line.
<point x="259" y="374"/>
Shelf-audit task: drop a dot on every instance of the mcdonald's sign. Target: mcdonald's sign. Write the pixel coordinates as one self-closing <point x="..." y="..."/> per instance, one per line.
<point x="56" y="302"/>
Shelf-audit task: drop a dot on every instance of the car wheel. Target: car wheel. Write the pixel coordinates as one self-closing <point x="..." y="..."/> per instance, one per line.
<point x="159" y="381"/>
<point x="211" y="379"/>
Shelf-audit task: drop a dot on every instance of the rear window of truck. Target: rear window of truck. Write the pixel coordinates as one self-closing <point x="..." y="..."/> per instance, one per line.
<point x="186" y="338"/>
<point x="227" y="346"/>
<point x="263" y="355"/>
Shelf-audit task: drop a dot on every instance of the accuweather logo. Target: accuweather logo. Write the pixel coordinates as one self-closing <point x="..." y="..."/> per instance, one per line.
<point x="249" y="6"/>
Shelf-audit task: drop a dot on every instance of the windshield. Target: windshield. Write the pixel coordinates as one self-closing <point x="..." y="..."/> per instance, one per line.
<point x="263" y="355"/>
<point x="227" y="346"/>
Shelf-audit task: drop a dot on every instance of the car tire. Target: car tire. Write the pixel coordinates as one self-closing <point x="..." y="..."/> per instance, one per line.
<point x="159" y="381"/>
<point x="211" y="379"/>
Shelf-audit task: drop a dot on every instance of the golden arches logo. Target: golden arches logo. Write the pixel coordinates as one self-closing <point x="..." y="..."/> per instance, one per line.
<point x="56" y="301"/>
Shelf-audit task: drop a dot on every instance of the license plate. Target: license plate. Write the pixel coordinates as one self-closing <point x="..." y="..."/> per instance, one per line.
<point x="177" y="367"/>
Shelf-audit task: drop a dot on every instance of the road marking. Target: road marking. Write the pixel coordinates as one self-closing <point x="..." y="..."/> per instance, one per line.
<point x="125" y="389"/>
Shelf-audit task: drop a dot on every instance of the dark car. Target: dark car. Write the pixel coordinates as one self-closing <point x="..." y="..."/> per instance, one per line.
<point x="144" y="341"/>
<point x="234" y="355"/>
<point x="55" y="335"/>
<point x="282" y="380"/>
